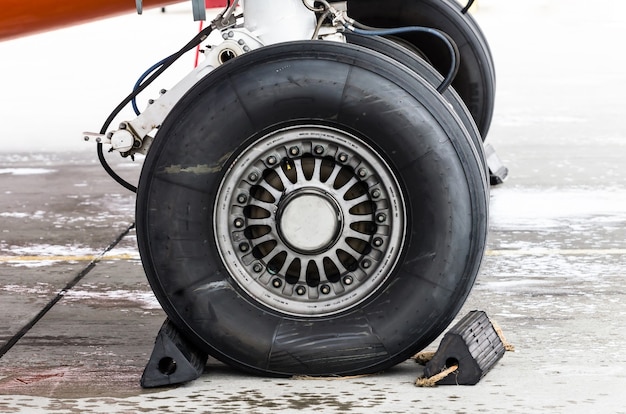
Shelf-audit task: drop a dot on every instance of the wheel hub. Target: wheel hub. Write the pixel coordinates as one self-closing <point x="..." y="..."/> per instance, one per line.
<point x="309" y="220"/>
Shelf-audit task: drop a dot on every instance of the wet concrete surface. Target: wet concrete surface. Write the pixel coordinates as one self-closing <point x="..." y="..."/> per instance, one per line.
<point x="553" y="276"/>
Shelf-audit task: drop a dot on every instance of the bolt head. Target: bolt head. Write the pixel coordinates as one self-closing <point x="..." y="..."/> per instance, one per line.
<point x="300" y="290"/>
<point x="325" y="289"/>
<point x="319" y="150"/>
<point x="348" y="280"/>
<point x="293" y="151"/>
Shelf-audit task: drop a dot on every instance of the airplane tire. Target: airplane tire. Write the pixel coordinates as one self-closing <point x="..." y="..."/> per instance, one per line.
<point x="475" y="80"/>
<point x="312" y="208"/>
<point x="417" y="64"/>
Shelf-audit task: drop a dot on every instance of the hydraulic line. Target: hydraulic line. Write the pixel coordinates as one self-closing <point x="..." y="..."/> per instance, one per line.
<point x="156" y="71"/>
<point x="455" y="60"/>
<point x="467" y="7"/>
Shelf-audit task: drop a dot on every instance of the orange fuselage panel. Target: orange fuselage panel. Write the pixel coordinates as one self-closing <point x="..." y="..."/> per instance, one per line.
<point x="23" y="17"/>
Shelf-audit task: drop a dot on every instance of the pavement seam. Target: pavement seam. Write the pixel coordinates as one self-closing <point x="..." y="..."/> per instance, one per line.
<point x="7" y="347"/>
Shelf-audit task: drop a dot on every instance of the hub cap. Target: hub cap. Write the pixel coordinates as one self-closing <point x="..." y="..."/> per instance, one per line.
<point x="309" y="220"/>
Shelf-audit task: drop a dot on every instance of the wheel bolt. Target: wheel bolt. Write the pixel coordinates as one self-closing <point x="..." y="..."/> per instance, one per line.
<point x="253" y="176"/>
<point x="348" y="280"/>
<point x="378" y="242"/>
<point x="325" y="289"/>
<point x="362" y="172"/>
<point x="375" y="193"/>
<point x="343" y="157"/>
<point x="277" y="283"/>
<point x="258" y="268"/>
<point x="239" y="222"/>
<point x="294" y="151"/>
<point x="271" y="160"/>
<point x="366" y="264"/>
<point x="244" y="247"/>
<point x="300" y="290"/>
<point x="381" y="217"/>
<point x="242" y="198"/>
<point x="319" y="150"/>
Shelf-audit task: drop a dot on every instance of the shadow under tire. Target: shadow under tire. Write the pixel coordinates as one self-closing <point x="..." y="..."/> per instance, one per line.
<point x="336" y="135"/>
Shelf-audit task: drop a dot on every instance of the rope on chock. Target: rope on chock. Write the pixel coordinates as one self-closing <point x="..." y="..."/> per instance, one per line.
<point x="424" y="357"/>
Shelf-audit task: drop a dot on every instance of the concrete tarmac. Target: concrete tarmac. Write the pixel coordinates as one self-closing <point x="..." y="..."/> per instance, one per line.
<point x="78" y="319"/>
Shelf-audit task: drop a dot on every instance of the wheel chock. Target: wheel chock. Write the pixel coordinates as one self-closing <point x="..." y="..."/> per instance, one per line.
<point x="497" y="171"/>
<point x="173" y="361"/>
<point x="473" y="345"/>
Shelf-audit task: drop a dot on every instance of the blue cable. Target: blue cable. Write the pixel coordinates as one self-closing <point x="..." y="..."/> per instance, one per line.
<point x="142" y="78"/>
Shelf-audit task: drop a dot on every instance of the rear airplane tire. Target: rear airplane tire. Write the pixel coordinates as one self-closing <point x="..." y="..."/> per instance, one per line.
<point x="312" y="208"/>
<point x="475" y="80"/>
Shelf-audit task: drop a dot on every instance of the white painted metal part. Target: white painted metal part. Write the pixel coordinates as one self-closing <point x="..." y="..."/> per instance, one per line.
<point x="275" y="21"/>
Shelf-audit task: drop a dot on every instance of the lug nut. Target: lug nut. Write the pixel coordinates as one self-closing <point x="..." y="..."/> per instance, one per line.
<point x="244" y="247"/>
<point x="257" y="267"/>
<point x="239" y="222"/>
<point x="271" y="160"/>
<point x="375" y="193"/>
<point x="366" y="264"/>
<point x="319" y="150"/>
<point x="253" y="176"/>
<point x="362" y="172"/>
<point x="325" y="289"/>
<point x="293" y="151"/>
<point x="277" y="283"/>
<point x="348" y="280"/>
<point x="300" y="290"/>
<point x="381" y="217"/>
<point x="343" y="157"/>
<point x="378" y="242"/>
<point x="242" y="198"/>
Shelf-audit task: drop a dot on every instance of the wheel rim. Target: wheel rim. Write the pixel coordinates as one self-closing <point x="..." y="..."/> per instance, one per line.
<point x="309" y="220"/>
